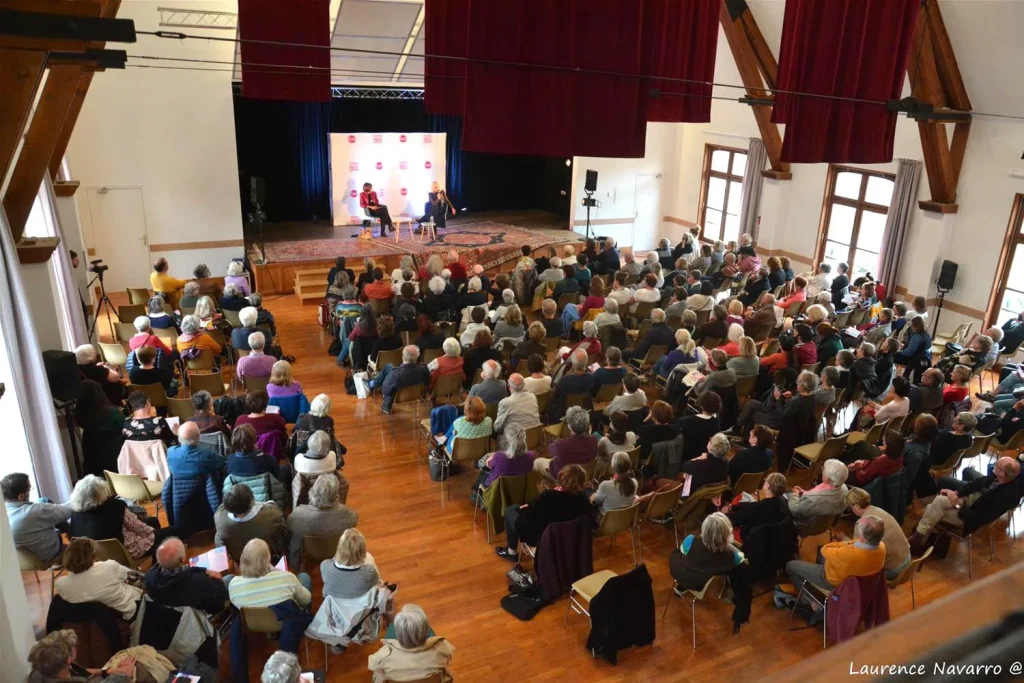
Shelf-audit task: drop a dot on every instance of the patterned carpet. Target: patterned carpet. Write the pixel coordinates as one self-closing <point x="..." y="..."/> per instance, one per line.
<point x="488" y="243"/>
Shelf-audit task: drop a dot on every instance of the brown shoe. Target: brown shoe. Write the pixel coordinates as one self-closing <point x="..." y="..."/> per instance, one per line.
<point x="918" y="544"/>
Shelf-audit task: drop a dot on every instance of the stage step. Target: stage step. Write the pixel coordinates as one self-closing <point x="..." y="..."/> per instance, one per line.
<point x="311" y="284"/>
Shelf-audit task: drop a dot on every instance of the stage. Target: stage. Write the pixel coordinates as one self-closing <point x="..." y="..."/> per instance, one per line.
<point x="491" y="238"/>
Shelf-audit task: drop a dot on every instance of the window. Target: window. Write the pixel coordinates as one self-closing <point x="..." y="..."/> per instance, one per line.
<point x="1008" y="294"/>
<point x="853" y="218"/>
<point x="720" y="193"/>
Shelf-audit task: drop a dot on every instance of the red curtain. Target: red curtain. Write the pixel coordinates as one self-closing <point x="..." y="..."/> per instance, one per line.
<point x="848" y="48"/>
<point x="304" y="22"/>
<point x="444" y="80"/>
<point x="680" y="40"/>
<point x="554" y="112"/>
<point x="512" y="104"/>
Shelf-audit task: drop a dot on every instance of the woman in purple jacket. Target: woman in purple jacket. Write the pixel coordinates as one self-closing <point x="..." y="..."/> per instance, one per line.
<point x="512" y="461"/>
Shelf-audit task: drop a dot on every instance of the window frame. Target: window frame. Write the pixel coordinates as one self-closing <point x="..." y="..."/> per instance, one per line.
<point x="1013" y="240"/>
<point x="859" y="205"/>
<point x="705" y="181"/>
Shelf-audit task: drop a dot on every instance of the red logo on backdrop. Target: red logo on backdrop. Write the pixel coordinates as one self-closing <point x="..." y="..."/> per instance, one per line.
<point x="401" y="138"/>
<point x="428" y="138"/>
<point x="404" y="192"/>
<point x="377" y="139"/>
<point x="351" y="138"/>
<point x="353" y="165"/>
<point x="380" y="165"/>
<point x="426" y="164"/>
<point x="403" y="165"/>
<point x="353" y="193"/>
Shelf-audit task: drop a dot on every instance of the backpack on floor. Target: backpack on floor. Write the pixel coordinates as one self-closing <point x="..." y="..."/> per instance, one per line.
<point x="323" y="314"/>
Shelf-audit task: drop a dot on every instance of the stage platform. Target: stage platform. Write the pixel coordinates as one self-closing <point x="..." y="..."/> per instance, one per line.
<point x="492" y="239"/>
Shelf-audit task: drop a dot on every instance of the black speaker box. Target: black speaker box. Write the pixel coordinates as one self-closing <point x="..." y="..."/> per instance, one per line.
<point x="947" y="276"/>
<point x="62" y="373"/>
<point x="590" y="185"/>
<point x="258" y="190"/>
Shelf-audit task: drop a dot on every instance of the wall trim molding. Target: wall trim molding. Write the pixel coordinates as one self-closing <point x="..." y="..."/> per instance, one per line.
<point x="183" y="246"/>
<point x="628" y="220"/>
<point x="679" y="221"/>
<point x="947" y="304"/>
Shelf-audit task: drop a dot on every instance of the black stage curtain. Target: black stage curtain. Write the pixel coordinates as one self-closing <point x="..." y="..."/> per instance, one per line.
<point x="286" y="144"/>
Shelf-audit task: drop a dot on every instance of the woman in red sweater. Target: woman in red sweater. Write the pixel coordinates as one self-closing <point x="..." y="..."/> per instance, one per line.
<point x="959" y="388"/>
<point x="889" y="461"/>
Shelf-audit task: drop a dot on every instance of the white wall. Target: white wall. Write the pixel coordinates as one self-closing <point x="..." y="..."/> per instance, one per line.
<point x="170" y="132"/>
<point x="617" y="180"/>
<point x="985" y="37"/>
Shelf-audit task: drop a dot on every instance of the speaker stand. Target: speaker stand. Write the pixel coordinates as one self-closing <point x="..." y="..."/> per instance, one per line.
<point x="938" y="310"/>
<point x="67" y="408"/>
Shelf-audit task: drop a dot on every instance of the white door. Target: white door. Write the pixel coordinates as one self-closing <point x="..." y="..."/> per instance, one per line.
<point x="646" y="207"/>
<point x="118" y="220"/>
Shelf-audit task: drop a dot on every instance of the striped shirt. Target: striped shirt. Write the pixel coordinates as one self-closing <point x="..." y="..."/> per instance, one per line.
<point x="272" y="589"/>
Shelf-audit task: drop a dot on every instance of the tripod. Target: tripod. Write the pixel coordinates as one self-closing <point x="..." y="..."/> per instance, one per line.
<point x="103" y="304"/>
<point x="257" y="217"/>
<point x="589" y="202"/>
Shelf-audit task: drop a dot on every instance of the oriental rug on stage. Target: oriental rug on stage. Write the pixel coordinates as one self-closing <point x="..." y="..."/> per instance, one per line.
<point x="488" y="243"/>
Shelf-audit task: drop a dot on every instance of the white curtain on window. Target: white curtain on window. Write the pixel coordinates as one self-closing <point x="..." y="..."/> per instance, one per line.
<point x="32" y="392"/>
<point x="750" y="198"/>
<point x="71" y="305"/>
<point x="901" y="208"/>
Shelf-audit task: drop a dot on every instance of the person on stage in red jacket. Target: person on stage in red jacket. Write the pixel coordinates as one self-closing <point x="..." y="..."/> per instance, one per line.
<point x="372" y="207"/>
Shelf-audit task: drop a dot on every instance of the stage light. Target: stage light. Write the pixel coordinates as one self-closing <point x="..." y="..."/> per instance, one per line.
<point x="568" y="162"/>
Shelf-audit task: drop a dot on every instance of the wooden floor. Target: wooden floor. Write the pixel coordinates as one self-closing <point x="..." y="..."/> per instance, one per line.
<point x="442" y="562"/>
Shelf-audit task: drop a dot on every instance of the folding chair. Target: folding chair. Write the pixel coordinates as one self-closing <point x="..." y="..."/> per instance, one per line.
<point x="908" y="575"/>
<point x="749" y="483"/>
<point x="113" y="549"/>
<point x="250" y="383"/>
<point x="156" y="393"/>
<point x="204" y="362"/>
<point x="393" y="356"/>
<point x="605" y="394"/>
<point x="168" y="335"/>
<point x="872" y="436"/>
<point x="129" y="313"/>
<point x="124" y="332"/>
<point x="263" y="620"/>
<point x="405" y="396"/>
<point x="586" y="588"/>
<point x="615" y="522"/>
<point x="138" y="295"/>
<point x="565" y="300"/>
<point x="28" y="562"/>
<point x="654" y="353"/>
<point x="464" y="450"/>
<point x="949" y="466"/>
<point x="660" y="505"/>
<point x="447" y="386"/>
<point x="232" y="318"/>
<point x="209" y="381"/>
<point x="815" y="452"/>
<point x="114" y="354"/>
<point x="134" y="487"/>
<point x="694" y="597"/>
<point x="429" y="355"/>
<point x="316" y="549"/>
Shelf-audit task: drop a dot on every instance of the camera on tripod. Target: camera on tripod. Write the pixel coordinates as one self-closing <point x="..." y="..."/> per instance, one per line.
<point x="98" y="267"/>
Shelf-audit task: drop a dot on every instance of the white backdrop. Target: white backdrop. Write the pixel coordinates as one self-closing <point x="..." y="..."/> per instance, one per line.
<point x="401" y="167"/>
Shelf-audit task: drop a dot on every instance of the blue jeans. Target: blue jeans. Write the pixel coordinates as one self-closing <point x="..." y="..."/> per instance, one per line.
<point x="1008" y="385"/>
<point x="381" y="377"/>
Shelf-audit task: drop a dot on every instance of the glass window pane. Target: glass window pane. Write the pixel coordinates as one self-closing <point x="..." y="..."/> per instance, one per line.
<point x="879" y="190"/>
<point x="1013" y="303"/>
<point x="872" y="227"/>
<point x="713" y="224"/>
<point x="732" y="227"/>
<point x="840" y="223"/>
<point x="1015" y="279"/>
<point x="739" y="163"/>
<point x="864" y="262"/>
<point x="720" y="160"/>
<point x="735" y="197"/>
<point x="836" y="253"/>
<point x="848" y="185"/>
<point x="716" y="193"/>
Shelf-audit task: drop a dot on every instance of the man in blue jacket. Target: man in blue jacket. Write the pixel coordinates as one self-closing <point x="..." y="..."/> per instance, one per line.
<point x="408" y="374"/>
<point x="192" y="459"/>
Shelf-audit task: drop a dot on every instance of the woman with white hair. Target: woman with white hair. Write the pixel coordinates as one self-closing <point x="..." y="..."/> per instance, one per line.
<point x="685" y="353"/>
<point x="206" y="312"/>
<point x="474" y="295"/>
<point x="159" y="318"/>
<point x="233" y="298"/>
<point x="700" y="558"/>
<point x="98" y="515"/>
<point x="432" y="268"/>
<point x="317" y="419"/>
<point x="827" y="498"/>
<point x="240" y="335"/>
<point x="323" y="515"/>
<point x="104" y="374"/>
<point x="438" y="302"/>
<point x="449" y="363"/>
<point x="318" y="457"/>
<point x="190" y="297"/>
<point x="569" y="255"/>
<point x="413" y="652"/>
<point x="144" y="337"/>
<point x="235" y="277"/>
<point x="282" y="384"/>
<point x="732" y="343"/>
<point x="282" y="667"/>
<point x="589" y="344"/>
<point x="397" y="274"/>
<point x="258" y="585"/>
<point x="513" y="460"/>
<point x="711" y="466"/>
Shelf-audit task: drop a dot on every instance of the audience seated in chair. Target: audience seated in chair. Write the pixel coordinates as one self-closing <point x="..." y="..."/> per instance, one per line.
<point x="98" y="515"/>
<point x="827" y="498"/>
<point x="565" y="503"/>
<point x="756" y="458"/>
<point x="173" y="583"/>
<point x="204" y="417"/>
<point x="971" y="504"/>
<point x="863" y="555"/>
<point x="317" y="419"/>
<point x="538" y="382"/>
<point x="323" y="515"/>
<point x="145" y="424"/>
<point x="104" y="581"/>
<point x="490" y="389"/>
<point x="191" y="459"/>
<point x="194" y="336"/>
<point x="888" y="459"/>
<point x="475" y="423"/>
<point x="90" y="367"/>
<point x="410" y="373"/>
<point x="897" y="548"/>
<point x="52" y="656"/>
<point x="770" y="508"/>
<point x="579" y="448"/>
<point x="35" y="526"/>
<point x="144" y="336"/>
<point x="698" y="559"/>
<point x="242" y="518"/>
<point x="519" y="408"/>
<point x="481" y="351"/>
<point x="621" y="490"/>
<point x="101" y="425"/>
<point x="256" y="364"/>
<point x="270" y="429"/>
<point x="413" y="653"/>
<point x="513" y="460"/>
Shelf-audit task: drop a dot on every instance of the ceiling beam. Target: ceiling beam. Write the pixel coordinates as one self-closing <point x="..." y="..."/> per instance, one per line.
<point x="935" y="78"/>
<point x="20" y="74"/>
<point x="43" y="131"/>
<point x="414" y="32"/>
<point x="754" y="58"/>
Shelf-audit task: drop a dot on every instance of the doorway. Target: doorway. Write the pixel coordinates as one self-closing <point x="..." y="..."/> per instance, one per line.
<point x="118" y="219"/>
<point x="646" y="209"/>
